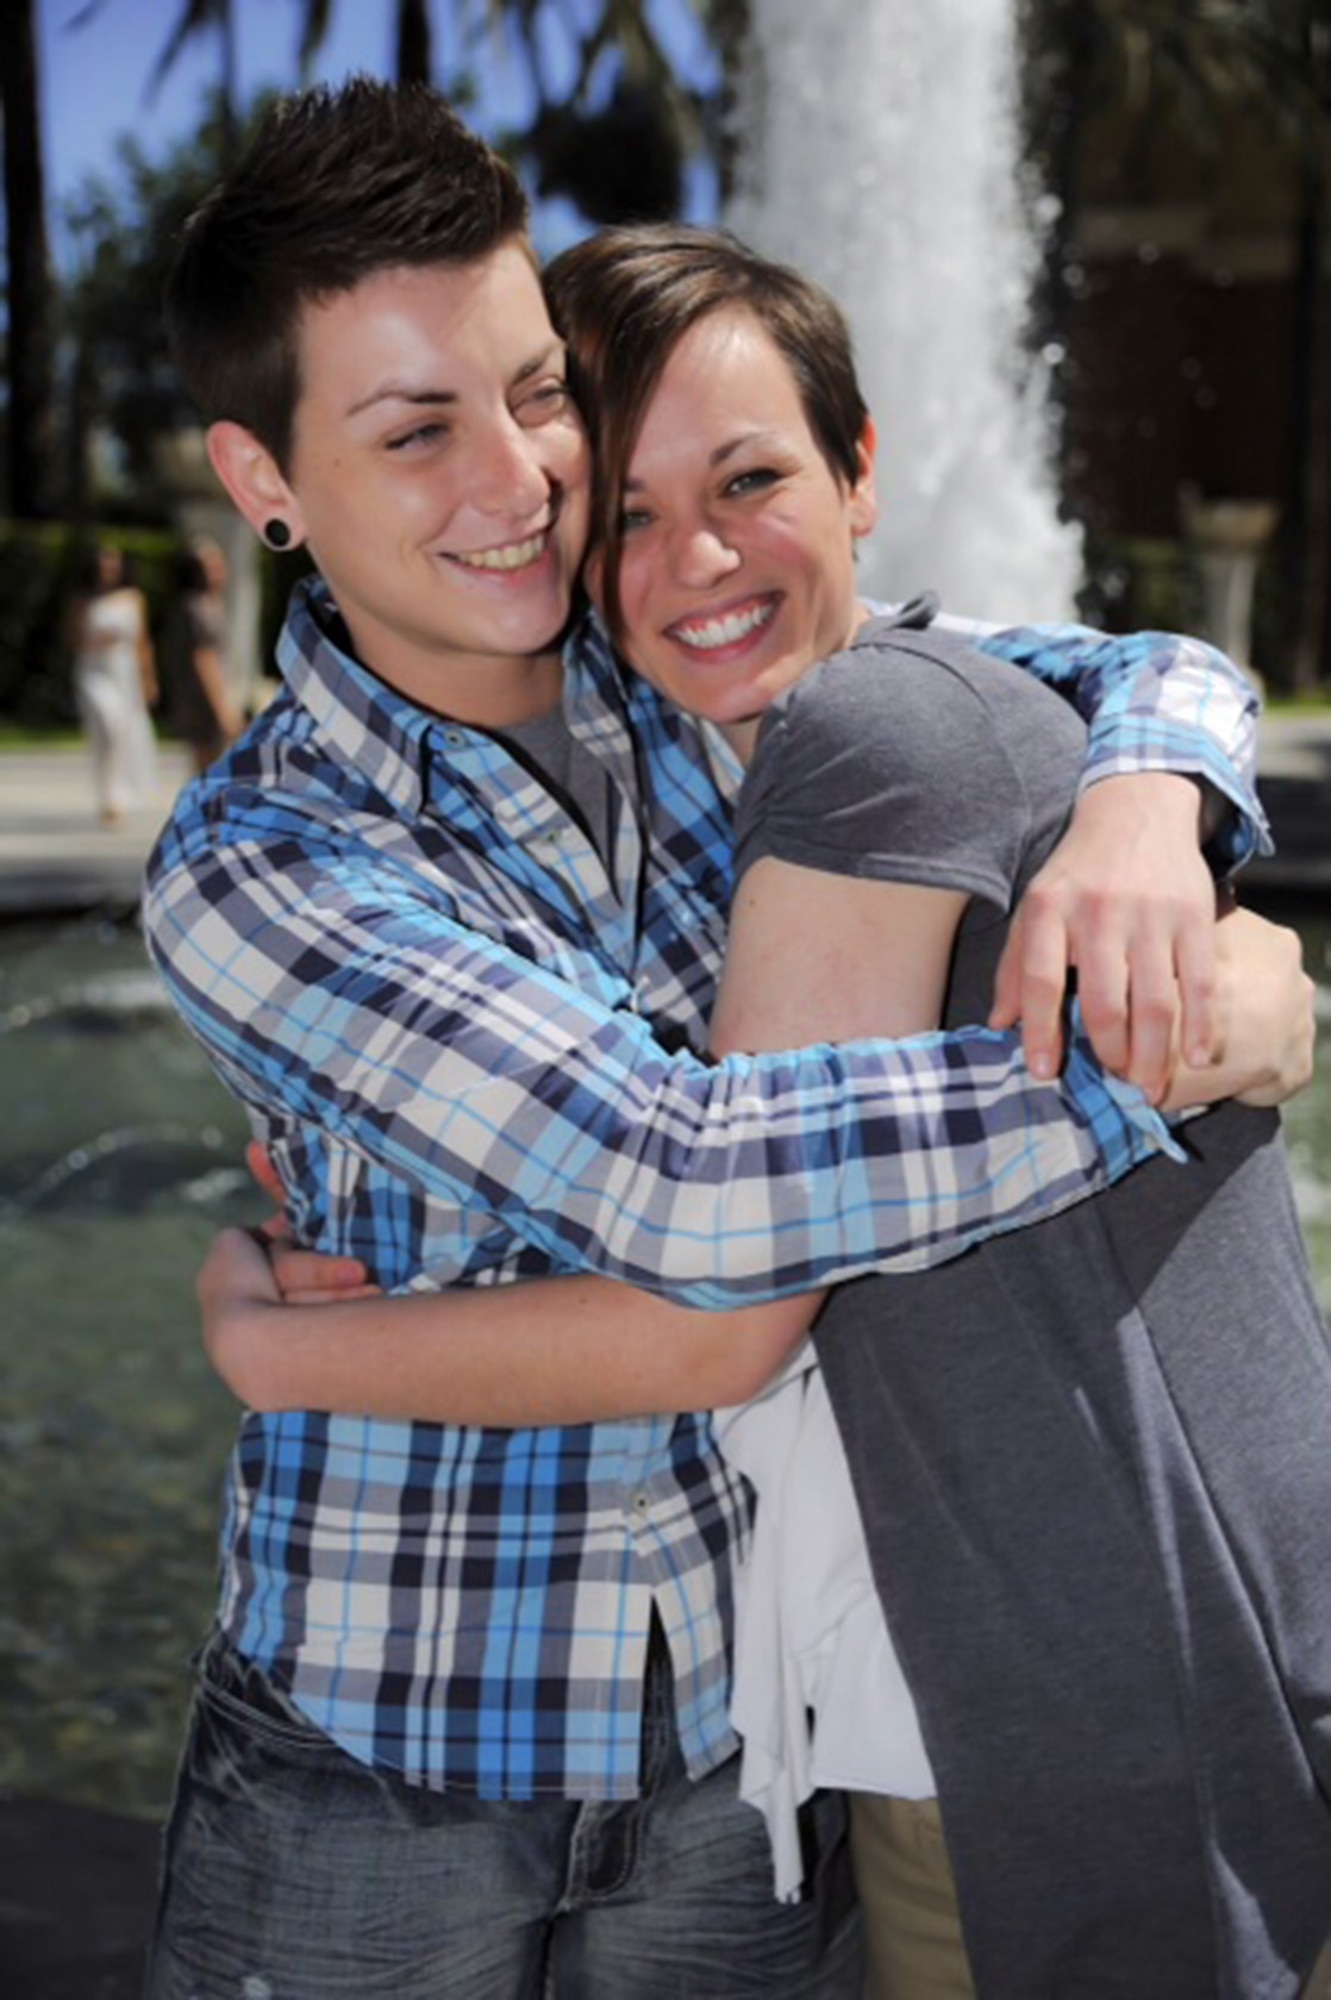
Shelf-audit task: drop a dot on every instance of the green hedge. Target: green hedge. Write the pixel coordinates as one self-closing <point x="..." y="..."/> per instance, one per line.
<point x="1136" y="585"/>
<point x="39" y="571"/>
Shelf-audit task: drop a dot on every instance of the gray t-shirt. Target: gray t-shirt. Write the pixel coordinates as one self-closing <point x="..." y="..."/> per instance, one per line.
<point x="580" y="780"/>
<point x="1093" y="1458"/>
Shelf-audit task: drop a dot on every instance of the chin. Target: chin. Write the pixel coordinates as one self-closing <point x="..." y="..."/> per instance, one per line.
<point x="752" y="703"/>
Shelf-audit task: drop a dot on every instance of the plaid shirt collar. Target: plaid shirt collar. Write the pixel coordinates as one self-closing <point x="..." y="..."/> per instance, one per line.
<point x="406" y="754"/>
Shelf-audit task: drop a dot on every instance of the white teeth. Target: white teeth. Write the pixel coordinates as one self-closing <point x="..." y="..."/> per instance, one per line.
<point x="724" y="631"/>
<point x="512" y="556"/>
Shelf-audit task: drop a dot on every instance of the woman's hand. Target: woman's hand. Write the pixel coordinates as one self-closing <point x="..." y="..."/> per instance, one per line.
<point x="304" y="1277"/>
<point x="247" y="1283"/>
<point x="1128" y="901"/>
<point x="1266" y="1008"/>
<point x="309" y="1278"/>
<point x="239" y="1298"/>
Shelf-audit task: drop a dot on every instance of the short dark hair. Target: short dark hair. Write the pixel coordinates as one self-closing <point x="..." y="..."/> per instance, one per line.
<point x="192" y="565"/>
<point x="88" y="568"/>
<point x="335" y="185"/>
<point x="624" y="299"/>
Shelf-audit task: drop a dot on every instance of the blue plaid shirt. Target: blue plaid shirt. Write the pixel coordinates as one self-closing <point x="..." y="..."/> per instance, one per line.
<point x="469" y="1045"/>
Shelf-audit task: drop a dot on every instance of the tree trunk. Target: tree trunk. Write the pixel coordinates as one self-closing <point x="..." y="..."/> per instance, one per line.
<point x="1307" y="524"/>
<point x="78" y="507"/>
<point x="31" y="311"/>
<point x="226" y="28"/>
<point x="729" y="22"/>
<point x="414" y="54"/>
<point x="1315" y="669"/>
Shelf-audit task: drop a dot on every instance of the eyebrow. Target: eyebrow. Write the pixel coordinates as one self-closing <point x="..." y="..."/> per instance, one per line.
<point x="722" y="455"/>
<point x="393" y="392"/>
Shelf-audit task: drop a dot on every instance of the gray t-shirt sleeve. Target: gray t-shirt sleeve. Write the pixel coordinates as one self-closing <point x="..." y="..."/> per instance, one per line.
<point x="913" y="759"/>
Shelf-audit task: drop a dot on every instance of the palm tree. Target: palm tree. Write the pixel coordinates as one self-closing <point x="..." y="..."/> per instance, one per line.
<point x="200" y="17"/>
<point x="622" y="158"/>
<point x="31" y="389"/>
<point x="619" y="152"/>
<point x="614" y="156"/>
<point x="615" y="150"/>
<point x="197" y="17"/>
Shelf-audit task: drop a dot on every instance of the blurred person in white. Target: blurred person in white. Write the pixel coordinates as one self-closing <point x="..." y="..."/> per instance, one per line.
<point x="115" y="681"/>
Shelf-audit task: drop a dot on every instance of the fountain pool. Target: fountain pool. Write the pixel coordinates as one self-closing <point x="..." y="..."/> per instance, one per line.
<point x="120" y="1157"/>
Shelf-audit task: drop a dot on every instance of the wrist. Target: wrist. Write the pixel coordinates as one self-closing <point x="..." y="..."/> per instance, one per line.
<point x="1172" y="799"/>
<point x="235" y="1341"/>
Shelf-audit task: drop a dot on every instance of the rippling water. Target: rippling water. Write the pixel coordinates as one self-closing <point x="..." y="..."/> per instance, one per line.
<point x="119" y="1157"/>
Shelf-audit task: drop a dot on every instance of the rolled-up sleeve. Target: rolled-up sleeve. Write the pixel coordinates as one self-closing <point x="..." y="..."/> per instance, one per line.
<point x="1153" y="701"/>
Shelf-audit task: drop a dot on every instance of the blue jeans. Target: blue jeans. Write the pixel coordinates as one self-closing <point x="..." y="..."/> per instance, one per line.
<point x="294" y="1873"/>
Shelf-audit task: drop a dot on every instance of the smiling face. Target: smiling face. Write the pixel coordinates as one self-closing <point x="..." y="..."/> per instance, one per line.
<point x="439" y="473"/>
<point x="738" y="569"/>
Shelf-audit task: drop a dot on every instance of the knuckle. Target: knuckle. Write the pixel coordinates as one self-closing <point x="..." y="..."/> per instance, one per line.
<point x="1102" y="1011"/>
<point x="1153" y="1010"/>
<point x="1042" y="986"/>
<point x="1043" y="902"/>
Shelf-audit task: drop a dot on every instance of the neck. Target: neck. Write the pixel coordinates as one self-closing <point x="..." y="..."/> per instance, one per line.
<point x="519" y="693"/>
<point x="486" y="691"/>
<point x="742" y="737"/>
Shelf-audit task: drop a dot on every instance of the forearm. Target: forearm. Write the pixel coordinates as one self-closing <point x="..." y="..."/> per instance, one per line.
<point x="1154" y="702"/>
<point x="552" y="1351"/>
<point x="478" y="1079"/>
<point x="763" y="1177"/>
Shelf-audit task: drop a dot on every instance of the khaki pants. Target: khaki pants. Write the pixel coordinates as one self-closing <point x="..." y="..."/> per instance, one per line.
<point x="908" y="1901"/>
<point x="1319" y="1986"/>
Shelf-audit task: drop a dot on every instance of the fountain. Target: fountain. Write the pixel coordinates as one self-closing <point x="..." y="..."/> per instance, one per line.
<point x="879" y="153"/>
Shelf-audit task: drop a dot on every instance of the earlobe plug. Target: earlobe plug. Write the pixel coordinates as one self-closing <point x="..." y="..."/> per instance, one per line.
<point x="276" y="533"/>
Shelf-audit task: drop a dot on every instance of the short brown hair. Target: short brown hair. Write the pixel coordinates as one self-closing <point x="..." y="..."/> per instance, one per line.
<point x="335" y="185"/>
<point x="625" y="298"/>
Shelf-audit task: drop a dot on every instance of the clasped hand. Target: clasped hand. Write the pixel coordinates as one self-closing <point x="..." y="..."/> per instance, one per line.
<point x="1189" y="1008"/>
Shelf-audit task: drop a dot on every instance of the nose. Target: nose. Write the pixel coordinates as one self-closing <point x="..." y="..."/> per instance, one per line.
<point x="508" y="475"/>
<point x="702" y="556"/>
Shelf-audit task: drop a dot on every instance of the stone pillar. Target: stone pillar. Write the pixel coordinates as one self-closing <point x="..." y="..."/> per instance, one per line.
<point x="1230" y="538"/>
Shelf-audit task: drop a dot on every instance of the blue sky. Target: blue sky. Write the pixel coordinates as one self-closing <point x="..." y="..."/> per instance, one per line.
<point x="94" y="78"/>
